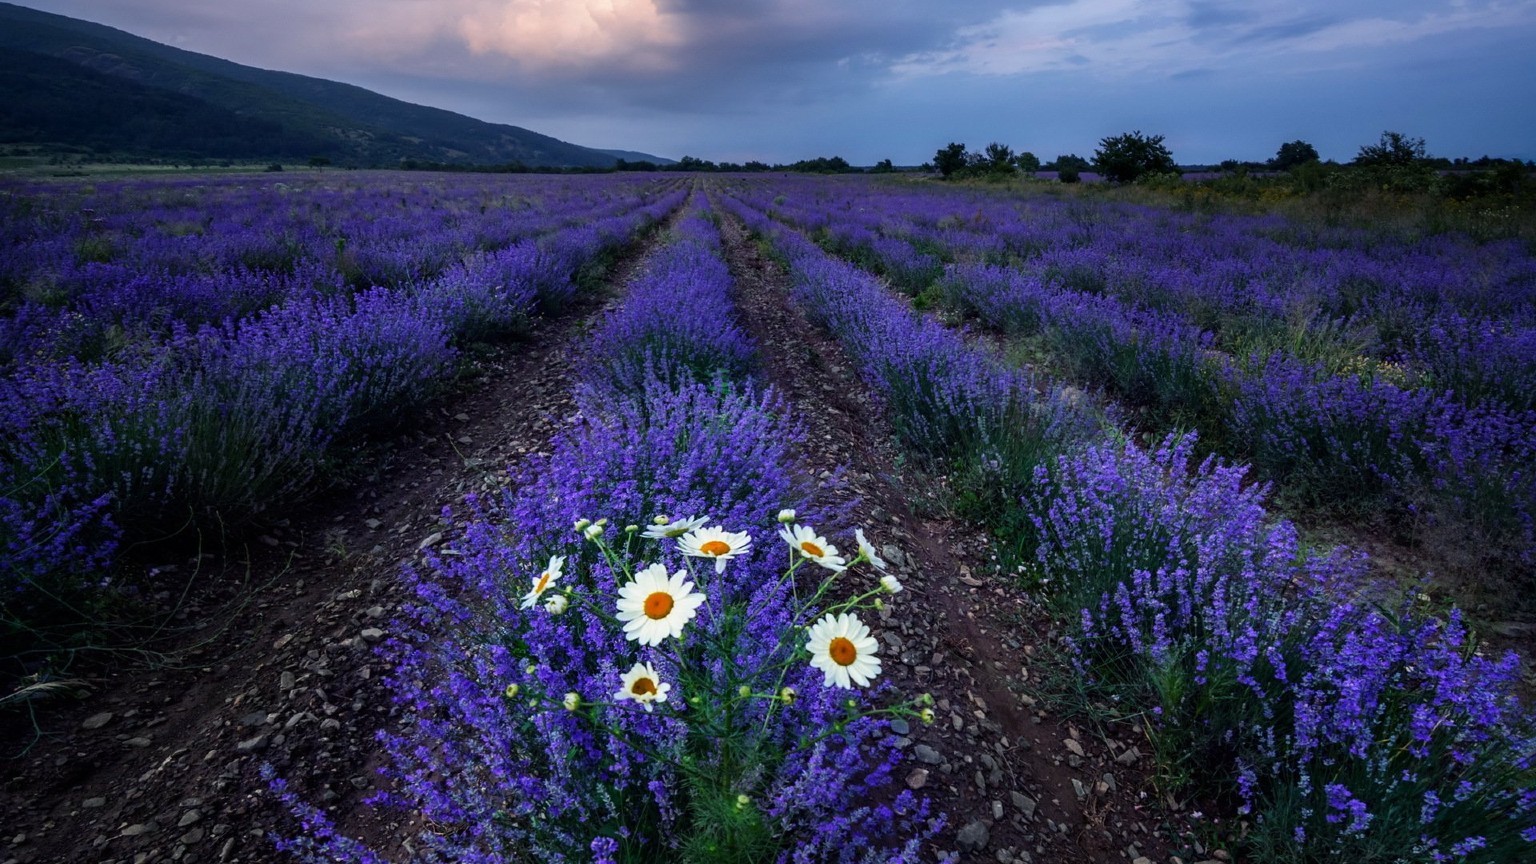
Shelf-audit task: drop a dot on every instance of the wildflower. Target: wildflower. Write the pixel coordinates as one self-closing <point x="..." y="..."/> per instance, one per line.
<point x="813" y="546"/>
<point x="543" y="581"/>
<point x="890" y="583"/>
<point x="556" y="605"/>
<point x="642" y="684"/>
<point x="716" y="543"/>
<point x="511" y="691"/>
<point x="654" y="607"/>
<point x="842" y="648"/>
<point x="581" y="525"/>
<point x="786" y="516"/>
<point x="593" y="531"/>
<point x="662" y="528"/>
<point x="743" y="691"/>
<point x="787" y="695"/>
<point x="868" y="550"/>
<point x="572" y="701"/>
<point x="742" y="801"/>
<point x="926" y="715"/>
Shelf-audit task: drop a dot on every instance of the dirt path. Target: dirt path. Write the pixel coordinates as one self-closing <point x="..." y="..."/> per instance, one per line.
<point x="1018" y="783"/>
<point x="161" y="764"/>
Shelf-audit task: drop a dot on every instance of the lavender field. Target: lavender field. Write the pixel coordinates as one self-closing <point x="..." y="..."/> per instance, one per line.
<point x="829" y="519"/>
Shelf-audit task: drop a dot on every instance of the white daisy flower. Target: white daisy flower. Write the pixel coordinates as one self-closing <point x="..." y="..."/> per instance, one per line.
<point x="890" y="583"/>
<point x="786" y="516"/>
<point x="843" y="649"/>
<point x="544" y="581"/>
<point x="642" y="684"/>
<point x="807" y="542"/>
<point x="556" y="605"/>
<point x="868" y="550"/>
<point x="716" y="543"/>
<point x="572" y="701"/>
<point x="664" y="529"/>
<point x="654" y="607"/>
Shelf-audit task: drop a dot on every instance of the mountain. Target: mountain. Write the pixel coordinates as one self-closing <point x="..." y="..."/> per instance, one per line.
<point x="71" y="82"/>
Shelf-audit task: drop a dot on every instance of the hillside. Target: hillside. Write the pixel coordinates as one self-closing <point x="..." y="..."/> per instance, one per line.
<point x="275" y="114"/>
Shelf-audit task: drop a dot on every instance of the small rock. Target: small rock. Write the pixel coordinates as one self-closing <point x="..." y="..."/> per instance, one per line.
<point x="927" y="754"/>
<point x="1073" y="747"/>
<point x="191" y="817"/>
<point x="1079" y="788"/>
<point x="918" y="778"/>
<point x="430" y="540"/>
<point x="192" y="836"/>
<point x="900" y="726"/>
<point x="1129" y="757"/>
<point x="1142" y="860"/>
<point x="1025" y="804"/>
<point x="973" y="837"/>
<point x="140" y="828"/>
<point x="373" y="524"/>
<point x="251" y="745"/>
<point x="286" y="681"/>
<point x="372" y="634"/>
<point x="96" y="721"/>
<point x="140" y="742"/>
<point x="93" y="803"/>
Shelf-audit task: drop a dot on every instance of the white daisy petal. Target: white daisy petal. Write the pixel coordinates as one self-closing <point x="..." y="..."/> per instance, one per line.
<point x="654" y="607"/>
<point x="643" y="685"/>
<point x="544" y="581"/>
<point x="716" y="543"/>
<point x="804" y="540"/>
<point x="868" y="550"/>
<point x="843" y="649"/>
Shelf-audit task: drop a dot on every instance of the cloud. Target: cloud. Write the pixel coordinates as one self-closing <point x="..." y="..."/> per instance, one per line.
<point x="1123" y="38"/>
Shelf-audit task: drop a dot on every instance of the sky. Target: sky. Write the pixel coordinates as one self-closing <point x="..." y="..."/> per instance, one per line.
<point x="783" y="80"/>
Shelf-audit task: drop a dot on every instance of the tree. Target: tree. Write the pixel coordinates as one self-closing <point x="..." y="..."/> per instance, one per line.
<point x="1028" y="162"/>
<point x="999" y="158"/>
<point x="1293" y="153"/>
<point x="1394" y="148"/>
<point x="884" y="166"/>
<point x="1070" y="160"/>
<point x="950" y="159"/>
<point x="1123" y="158"/>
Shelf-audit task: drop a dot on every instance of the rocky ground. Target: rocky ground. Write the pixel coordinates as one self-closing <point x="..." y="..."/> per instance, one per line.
<point x="160" y="763"/>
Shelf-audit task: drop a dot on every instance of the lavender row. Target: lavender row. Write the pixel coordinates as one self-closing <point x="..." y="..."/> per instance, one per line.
<point x="1338" y="726"/>
<point x="721" y="743"/>
<point x="84" y="268"/>
<point x="1330" y="437"/>
<point x="228" y="421"/>
<point x="1460" y="316"/>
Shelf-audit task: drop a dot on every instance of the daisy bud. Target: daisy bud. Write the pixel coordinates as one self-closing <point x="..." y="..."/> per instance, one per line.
<point x="572" y="701"/>
<point x="925" y="699"/>
<point x="744" y="691"/>
<point x="927" y="716"/>
<point x="530" y="669"/>
<point x="890" y="583"/>
<point x="630" y="529"/>
<point x="659" y="520"/>
<point x="879" y="604"/>
<point x="786" y="516"/>
<point x="603" y="521"/>
<point x="512" y="691"/>
<point x="787" y="695"/>
<point x="742" y="801"/>
<point x="592" y="532"/>
<point x="556" y="604"/>
<point x="581" y="524"/>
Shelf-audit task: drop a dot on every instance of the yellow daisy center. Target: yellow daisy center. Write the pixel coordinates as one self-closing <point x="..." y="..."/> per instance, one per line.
<point x="811" y="549"/>
<point x="715" y="547"/>
<point x="842" y="651"/>
<point x="539" y="586"/>
<point x="658" y="605"/>
<point x="642" y="686"/>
